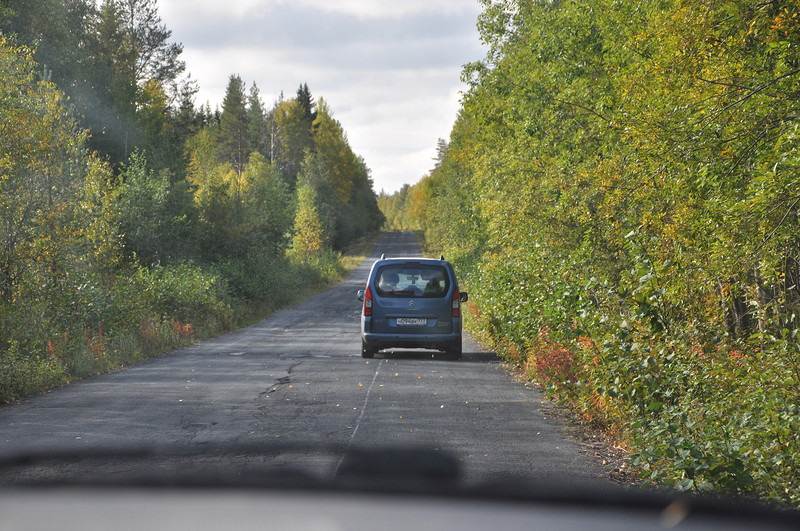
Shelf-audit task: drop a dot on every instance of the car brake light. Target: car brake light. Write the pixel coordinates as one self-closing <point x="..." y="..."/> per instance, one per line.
<point x="368" y="302"/>
<point x="456" y="304"/>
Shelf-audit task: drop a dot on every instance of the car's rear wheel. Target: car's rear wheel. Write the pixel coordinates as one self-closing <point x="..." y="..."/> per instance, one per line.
<point x="454" y="349"/>
<point x="367" y="351"/>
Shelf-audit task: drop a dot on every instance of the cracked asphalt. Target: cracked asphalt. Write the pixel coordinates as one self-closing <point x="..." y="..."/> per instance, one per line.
<point x="297" y="378"/>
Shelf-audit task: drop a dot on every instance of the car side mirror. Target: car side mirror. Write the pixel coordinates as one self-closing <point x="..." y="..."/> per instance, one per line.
<point x="360" y="295"/>
<point x="463" y="297"/>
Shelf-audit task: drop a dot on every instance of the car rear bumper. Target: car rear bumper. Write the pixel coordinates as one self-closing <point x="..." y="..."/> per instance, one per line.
<point x="431" y="341"/>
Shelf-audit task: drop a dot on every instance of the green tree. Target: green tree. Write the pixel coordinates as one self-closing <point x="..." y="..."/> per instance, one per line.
<point x="187" y="119"/>
<point x="105" y="59"/>
<point x="257" y="127"/>
<point x="395" y="210"/>
<point x="624" y="180"/>
<point x="212" y="193"/>
<point x="157" y="59"/>
<point x="314" y="173"/>
<point x="141" y="203"/>
<point x="233" y="125"/>
<point x="39" y="144"/>
<point x="160" y="137"/>
<point x="45" y="25"/>
<point x="292" y="136"/>
<point x="349" y="191"/>
<point x="306" y="102"/>
<point x="308" y="240"/>
<point x="268" y="205"/>
<point x="108" y="96"/>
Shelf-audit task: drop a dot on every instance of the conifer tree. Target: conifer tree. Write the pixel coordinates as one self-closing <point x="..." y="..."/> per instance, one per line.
<point x="234" y="143"/>
<point x="187" y="119"/>
<point x="257" y="123"/>
<point x="307" y="104"/>
<point x="156" y="58"/>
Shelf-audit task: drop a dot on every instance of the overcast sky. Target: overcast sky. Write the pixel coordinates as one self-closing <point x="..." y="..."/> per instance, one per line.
<point x="389" y="69"/>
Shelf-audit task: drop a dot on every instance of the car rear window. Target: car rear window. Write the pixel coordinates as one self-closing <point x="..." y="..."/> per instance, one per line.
<point x="412" y="280"/>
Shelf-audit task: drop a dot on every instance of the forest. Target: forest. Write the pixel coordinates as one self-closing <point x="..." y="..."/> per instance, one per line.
<point x="132" y="220"/>
<point x="621" y="195"/>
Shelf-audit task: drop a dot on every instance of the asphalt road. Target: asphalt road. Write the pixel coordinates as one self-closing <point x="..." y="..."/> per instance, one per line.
<point x="297" y="378"/>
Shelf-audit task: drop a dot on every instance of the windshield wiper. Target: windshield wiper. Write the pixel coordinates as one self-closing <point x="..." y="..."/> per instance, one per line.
<point x="237" y="464"/>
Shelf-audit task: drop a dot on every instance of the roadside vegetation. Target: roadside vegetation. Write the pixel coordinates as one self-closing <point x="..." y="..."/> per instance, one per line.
<point x="621" y="195"/>
<point x="132" y="221"/>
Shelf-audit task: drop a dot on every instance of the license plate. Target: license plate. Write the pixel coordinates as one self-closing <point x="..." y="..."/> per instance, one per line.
<point x="406" y="321"/>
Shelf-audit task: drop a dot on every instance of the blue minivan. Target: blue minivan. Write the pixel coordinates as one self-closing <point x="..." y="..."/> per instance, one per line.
<point x="411" y="303"/>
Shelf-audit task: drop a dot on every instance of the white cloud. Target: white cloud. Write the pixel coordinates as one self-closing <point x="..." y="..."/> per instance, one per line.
<point x="174" y="10"/>
<point x="389" y="69"/>
<point x="363" y="9"/>
<point x="388" y="8"/>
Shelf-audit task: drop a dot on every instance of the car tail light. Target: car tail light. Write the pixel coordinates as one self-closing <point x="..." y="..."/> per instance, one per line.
<point x="456" y="304"/>
<point x="368" y="302"/>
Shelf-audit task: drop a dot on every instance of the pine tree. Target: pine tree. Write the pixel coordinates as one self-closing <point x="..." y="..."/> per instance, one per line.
<point x="187" y="119"/>
<point x="441" y="151"/>
<point x="307" y="104"/>
<point x="234" y="142"/>
<point x="257" y="123"/>
<point x="156" y="58"/>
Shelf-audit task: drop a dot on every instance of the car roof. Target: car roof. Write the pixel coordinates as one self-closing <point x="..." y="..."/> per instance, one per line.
<point x="412" y="259"/>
